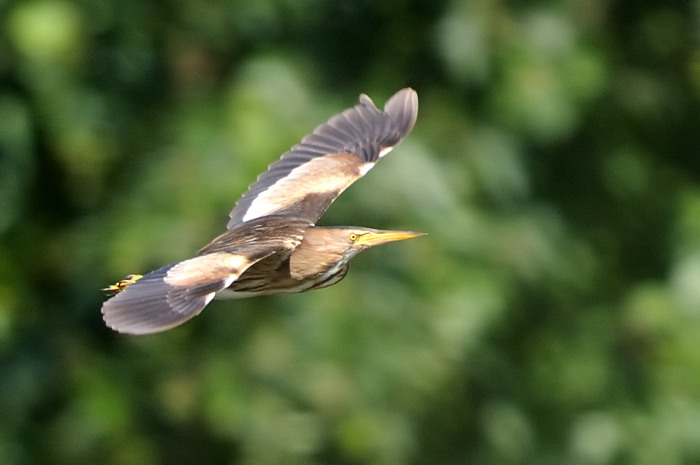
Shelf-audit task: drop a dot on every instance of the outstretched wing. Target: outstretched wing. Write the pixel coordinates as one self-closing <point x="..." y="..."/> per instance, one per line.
<point x="169" y="296"/>
<point x="312" y="174"/>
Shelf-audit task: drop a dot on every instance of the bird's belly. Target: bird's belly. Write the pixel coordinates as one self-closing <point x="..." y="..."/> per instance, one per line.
<point x="290" y="286"/>
<point x="229" y="294"/>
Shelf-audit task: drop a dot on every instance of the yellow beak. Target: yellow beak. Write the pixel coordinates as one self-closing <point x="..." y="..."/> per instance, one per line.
<point x="372" y="238"/>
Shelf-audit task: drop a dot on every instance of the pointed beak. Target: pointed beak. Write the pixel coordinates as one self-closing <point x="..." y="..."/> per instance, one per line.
<point x="372" y="238"/>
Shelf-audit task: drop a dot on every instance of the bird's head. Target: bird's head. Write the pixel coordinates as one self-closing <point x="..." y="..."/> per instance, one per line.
<point x="349" y="241"/>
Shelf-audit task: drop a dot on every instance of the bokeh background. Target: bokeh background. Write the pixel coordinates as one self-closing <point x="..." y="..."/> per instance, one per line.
<point x="552" y="314"/>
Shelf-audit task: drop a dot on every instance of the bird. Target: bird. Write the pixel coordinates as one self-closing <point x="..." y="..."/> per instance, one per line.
<point x="272" y="244"/>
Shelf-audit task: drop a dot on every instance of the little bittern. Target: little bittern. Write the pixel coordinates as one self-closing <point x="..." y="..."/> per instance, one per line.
<point x="272" y="245"/>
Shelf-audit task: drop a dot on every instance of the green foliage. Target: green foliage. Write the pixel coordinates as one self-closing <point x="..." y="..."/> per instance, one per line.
<point x="551" y="315"/>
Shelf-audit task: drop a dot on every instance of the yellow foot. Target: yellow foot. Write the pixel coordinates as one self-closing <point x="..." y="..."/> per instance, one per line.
<point x="119" y="286"/>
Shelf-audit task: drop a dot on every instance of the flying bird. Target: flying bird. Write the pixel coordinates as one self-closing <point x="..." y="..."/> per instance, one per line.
<point x="272" y="244"/>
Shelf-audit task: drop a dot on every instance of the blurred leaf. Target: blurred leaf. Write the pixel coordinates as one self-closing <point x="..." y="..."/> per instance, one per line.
<point x="549" y="316"/>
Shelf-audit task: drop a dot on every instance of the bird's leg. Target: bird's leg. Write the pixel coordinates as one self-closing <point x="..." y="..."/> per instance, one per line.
<point x="119" y="286"/>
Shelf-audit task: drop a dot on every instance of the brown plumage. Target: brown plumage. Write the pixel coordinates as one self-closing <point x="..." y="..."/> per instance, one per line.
<point x="272" y="245"/>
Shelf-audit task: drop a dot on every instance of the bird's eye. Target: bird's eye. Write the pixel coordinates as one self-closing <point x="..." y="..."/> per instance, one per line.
<point x="352" y="237"/>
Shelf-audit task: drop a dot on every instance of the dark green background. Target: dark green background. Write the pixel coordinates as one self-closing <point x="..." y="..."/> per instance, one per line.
<point x="551" y="316"/>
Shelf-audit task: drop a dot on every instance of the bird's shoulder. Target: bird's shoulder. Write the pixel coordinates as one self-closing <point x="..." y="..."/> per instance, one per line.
<point x="270" y="234"/>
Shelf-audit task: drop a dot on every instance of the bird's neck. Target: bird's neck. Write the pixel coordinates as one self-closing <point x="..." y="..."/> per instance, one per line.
<point x="312" y="259"/>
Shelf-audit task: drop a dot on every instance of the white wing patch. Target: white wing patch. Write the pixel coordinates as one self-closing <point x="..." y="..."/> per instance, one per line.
<point x="326" y="175"/>
<point x="385" y="150"/>
<point x="365" y="168"/>
<point x="208" y="299"/>
<point x="207" y="268"/>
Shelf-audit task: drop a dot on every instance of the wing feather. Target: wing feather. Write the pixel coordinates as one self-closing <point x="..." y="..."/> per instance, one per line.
<point x="173" y="294"/>
<point x="306" y="179"/>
